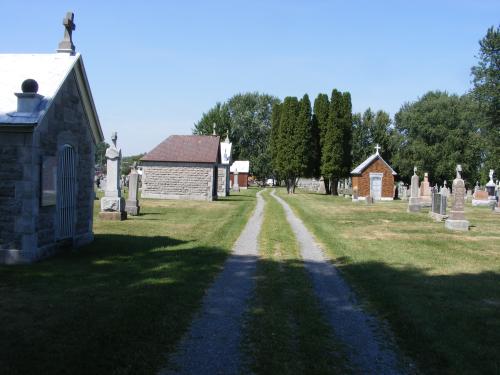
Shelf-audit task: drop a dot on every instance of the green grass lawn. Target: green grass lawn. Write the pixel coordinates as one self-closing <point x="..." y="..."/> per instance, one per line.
<point x="286" y="333"/>
<point x="439" y="290"/>
<point x="118" y="305"/>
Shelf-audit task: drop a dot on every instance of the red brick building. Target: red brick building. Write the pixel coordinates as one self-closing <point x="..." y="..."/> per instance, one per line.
<point x="375" y="178"/>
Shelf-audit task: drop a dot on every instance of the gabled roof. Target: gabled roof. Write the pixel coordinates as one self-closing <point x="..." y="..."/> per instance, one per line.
<point x="242" y="166"/>
<point x="186" y="148"/>
<point x="360" y="168"/>
<point x="50" y="71"/>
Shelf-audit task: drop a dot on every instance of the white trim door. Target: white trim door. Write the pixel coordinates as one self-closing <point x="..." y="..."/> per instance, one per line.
<point x="376" y="185"/>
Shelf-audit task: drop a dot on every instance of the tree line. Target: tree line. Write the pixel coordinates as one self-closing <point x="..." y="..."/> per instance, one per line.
<point x="289" y="139"/>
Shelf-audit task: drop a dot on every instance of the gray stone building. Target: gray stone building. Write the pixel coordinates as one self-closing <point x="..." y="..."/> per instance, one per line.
<point x="182" y="167"/>
<point x="48" y="134"/>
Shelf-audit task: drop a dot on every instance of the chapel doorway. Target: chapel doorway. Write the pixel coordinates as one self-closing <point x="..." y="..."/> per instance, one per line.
<point x="66" y="189"/>
<point x="376" y="185"/>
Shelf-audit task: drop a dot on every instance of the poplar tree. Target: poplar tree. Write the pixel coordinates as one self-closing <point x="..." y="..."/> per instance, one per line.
<point x="332" y="150"/>
<point x="347" y="134"/>
<point x="319" y="125"/>
<point x="304" y="138"/>
<point x="289" y="164"/>
<point x="274" y="140"/>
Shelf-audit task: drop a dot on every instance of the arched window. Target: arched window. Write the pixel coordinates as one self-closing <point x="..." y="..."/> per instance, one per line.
<point x="66" y="200"/>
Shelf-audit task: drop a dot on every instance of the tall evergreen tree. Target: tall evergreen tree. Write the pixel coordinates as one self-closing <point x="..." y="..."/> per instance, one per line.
<point x="346" y="135"/>
<point x="486" y="80"/>
<point x="289" y="162"/>
<point x="274" y="140"/>
<point x="320" y="124"/>
<point x="332" y="150"/>
<point x="304" y="138"/>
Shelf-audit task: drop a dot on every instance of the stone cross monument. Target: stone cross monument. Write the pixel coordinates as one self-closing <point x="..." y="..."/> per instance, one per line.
<point x="112" y="204"/>
<point x="414" y="202"/>
<point x="456" y="220"/>
<point x="132" y="205"/>
<point x="66" y="45"/>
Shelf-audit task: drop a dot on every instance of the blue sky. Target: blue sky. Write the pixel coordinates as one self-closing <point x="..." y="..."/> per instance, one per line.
<point x="155" y="66"/>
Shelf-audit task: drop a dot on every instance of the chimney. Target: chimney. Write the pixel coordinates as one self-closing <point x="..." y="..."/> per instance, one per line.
<point x="28" y="100"/>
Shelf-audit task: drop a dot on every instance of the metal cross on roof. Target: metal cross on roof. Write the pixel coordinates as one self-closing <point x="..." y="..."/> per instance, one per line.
<point x="66" y="45"/>
<point x="377" y="148"/>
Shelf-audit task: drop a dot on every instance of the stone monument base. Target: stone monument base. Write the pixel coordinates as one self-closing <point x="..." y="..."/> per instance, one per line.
<point x="132" y="208"/>
<point x="113" y="215"/>
<point x="112" y="204"/>
<point x="462" y="225"/>
<point x="414" y="205"/>
<point x="236" y="188"/>
<point x="497" y="210"/>
<point x="481" y="203"/>
<point x="437" y="217"/>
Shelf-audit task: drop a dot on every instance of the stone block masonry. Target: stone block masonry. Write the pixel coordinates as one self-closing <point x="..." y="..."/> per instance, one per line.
<point x="172" y="180"/>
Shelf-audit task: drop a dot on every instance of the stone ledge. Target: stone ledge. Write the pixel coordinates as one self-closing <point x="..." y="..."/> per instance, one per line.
<point x="462" y="225"/>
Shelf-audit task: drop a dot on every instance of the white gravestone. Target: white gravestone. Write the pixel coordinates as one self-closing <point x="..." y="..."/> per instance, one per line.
<point x="132" y="205"/>
<point x="456" y="220"/>
<point x="236" y="186"/>
<point x="112" y="204"/>
<point x="414" y="202"/>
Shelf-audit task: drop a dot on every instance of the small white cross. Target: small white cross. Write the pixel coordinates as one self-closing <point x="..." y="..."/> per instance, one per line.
<point x="377" y="147"/>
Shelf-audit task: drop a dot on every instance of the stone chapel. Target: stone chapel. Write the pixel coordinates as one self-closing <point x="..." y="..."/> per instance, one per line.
<point x="48" y="131"/>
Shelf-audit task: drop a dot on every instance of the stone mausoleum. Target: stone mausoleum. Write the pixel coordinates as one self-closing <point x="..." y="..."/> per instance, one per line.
<point x="48" y="131"/>
<point x="374" y="178"/>
<point x="182" y="167"/>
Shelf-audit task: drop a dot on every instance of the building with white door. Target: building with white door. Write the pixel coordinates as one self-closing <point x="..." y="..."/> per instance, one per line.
<point x="374" y="178"/>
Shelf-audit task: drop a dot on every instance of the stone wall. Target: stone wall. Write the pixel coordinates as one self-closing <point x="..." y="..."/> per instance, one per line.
<point x="363" y="181"/>
<point x="309" y="184"/>
<point x="15" y="194"/>
<point x="169" y="180"/>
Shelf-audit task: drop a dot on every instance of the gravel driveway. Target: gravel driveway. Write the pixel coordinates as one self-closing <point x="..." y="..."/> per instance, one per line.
<point x="370" y="348"/>
<point x="212" y="344"/>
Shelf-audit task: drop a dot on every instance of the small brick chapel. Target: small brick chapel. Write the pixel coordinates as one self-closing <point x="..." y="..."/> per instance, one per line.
<point x="48" y="132"/>
<point x="374" y="178"/>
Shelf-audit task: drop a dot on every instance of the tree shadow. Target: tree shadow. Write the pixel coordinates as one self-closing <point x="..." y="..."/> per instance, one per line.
<point x="120" y="304"/>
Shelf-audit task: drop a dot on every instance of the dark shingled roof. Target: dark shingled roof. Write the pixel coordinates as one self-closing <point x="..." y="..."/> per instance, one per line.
<point x="186" y="148"/>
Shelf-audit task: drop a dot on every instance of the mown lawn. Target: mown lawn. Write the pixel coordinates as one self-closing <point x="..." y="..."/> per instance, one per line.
<point x="439" y="290"/>
<point x="286" y="332"/>
<point x="118" y="305"/>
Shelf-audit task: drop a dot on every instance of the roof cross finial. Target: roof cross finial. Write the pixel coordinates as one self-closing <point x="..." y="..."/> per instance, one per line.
<point x="214" y="129"/>
<point x="377" y="147"/>
<point x="66" y="45"/>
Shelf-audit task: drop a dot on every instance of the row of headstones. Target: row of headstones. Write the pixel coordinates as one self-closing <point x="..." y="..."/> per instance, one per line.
<point x="456" y="220"/>
<point x="113" y="205"/>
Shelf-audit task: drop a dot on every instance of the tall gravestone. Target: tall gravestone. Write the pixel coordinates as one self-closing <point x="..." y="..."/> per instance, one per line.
<point x="490" y="188"/>
<point x="456" y="220"/>
<point x="414" y="202"/>
<point x="112" y="204"/>
<point x="322" y="187"/>
<point x="236" y="185"/>
<point x="425" y="191"/>
<point x="132" y="205"/>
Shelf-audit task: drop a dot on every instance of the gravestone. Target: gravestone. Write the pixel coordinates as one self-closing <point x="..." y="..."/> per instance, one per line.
<point x="481" y="198"/>
<point x="414" y="202"/>
<point x="444" y="190"/>
<point x="322" y="187"/>
<point x="425" y="191"/>
<point x="469" y="195"/>
<point x="236" y="186"/>
<point x="438" y="208"/>
<point x="132" y="205"/>
<point x="113" y="204"/>
<point x="456" y="220"/>
<point x="355" y="195"/>
<point x="490" y="188"/>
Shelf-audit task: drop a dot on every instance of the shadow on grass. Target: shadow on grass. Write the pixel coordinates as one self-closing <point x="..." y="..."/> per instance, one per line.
<point x="237" y="198"/>
<point x="113" y="307"/>
<point x="119" y="305"/>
